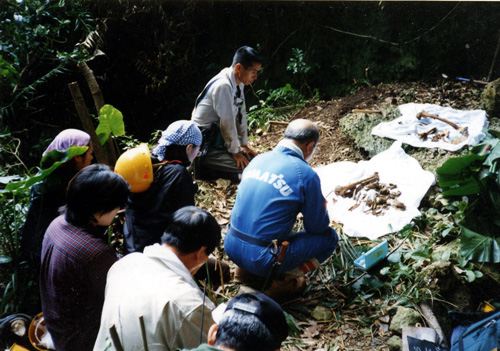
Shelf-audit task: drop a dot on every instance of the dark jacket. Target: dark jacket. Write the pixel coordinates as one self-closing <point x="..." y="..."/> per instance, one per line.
<point x="147" y="213"/>
<point x="47" y="197"/>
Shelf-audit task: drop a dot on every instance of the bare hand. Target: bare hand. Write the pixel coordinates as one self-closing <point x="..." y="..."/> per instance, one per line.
<point x="248" y="152"/>
<point x="241" y="160"/>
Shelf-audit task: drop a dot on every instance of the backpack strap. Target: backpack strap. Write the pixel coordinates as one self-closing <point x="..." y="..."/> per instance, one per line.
<point x="204" y="92"/>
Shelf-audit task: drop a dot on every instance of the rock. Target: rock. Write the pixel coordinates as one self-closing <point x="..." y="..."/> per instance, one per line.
<point x="490" y="98"/>
<point x="321" y="313"/>
<point x="359" y="125"/>
<point x="439" y="276"/>
<point x="404" y="317"/>
<point x="395" y="343"/>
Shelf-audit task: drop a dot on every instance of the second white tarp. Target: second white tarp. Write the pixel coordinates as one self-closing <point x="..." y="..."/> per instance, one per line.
<point x="407" y="127"/>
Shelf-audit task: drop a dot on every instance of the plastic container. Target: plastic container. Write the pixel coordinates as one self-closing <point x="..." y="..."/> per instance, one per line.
<point x="373" y="256"/>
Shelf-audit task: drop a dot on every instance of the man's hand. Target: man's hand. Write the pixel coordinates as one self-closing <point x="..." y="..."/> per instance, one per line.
<point x="241" y="160"/>
<point x="248" y="152"/>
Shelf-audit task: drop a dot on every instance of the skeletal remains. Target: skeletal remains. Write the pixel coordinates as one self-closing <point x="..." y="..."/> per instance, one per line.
<point x="377" y="197"/>
<point x="444" y="134"/>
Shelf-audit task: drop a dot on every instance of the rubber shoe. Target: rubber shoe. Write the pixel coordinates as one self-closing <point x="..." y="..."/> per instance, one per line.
<point x="244" y="277"/>
<point x="290" y="288"/>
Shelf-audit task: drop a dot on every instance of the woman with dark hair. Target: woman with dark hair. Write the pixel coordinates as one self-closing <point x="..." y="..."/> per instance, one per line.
<point x="148" y="212"/>
<point x="69" y="152"/>
<point x="76" y="257"/>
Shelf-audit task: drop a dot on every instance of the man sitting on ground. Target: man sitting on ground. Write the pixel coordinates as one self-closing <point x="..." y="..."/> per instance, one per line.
<point x="275" y="187"/>
<point x="250" y="322"/>
<point x="220" y="112"/>
<point x="158" y="286"/>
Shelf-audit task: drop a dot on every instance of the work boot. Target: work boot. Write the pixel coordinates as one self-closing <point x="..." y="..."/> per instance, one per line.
<point x="246" y="278"/>
<point x="287" y="289"/>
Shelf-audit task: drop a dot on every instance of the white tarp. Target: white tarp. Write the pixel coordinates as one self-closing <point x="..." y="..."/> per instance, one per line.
<point x="393" y="166"/>
<point x="407" y="127"/>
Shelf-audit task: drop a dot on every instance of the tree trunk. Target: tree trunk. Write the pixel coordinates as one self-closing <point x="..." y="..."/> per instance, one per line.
<point x="88" y="74"/>
<point x="83" y="113"/>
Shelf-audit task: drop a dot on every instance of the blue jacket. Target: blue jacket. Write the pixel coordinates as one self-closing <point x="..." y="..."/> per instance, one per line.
<point x="276" y="186"/>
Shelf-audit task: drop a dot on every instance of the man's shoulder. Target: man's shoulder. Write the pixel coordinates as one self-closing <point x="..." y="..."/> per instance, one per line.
<point x="223" y="78"/>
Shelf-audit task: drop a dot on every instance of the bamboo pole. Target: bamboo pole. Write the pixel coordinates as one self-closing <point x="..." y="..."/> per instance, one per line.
<point x="96" y="92"/>
<point x="81" y="108"/>
<point x="143" y="333"/>
<point x="114" y="337"/>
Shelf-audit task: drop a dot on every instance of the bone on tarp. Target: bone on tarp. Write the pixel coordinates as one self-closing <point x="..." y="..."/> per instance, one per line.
<point x="424" y="135"/>
<point x="348" y="190"/>
<point x="463" y="130"/>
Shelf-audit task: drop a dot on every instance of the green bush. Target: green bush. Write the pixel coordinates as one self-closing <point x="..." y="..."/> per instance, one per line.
<point x="275" y="105"/>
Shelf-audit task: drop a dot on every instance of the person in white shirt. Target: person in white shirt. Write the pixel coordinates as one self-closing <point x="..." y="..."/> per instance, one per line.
<point x="220" y="112"/>
<point x="158" y="286"/>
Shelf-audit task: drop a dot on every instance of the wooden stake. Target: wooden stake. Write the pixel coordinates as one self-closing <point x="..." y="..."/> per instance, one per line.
<point x="115" y="338"/>
<point x="83" y="113"/>
<point x="143" y="333"/>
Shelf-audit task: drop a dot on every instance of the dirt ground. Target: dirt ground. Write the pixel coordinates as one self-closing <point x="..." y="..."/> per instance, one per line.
<point x="335" y="145"/>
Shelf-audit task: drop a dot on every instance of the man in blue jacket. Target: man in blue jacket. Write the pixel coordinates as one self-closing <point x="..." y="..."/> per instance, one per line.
<point x="275" y="187"/>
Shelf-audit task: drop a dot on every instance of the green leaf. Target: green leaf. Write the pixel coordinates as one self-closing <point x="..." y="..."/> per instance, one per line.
<point x="5" y="259"/>
<point x="49" y="163"/>
<point x="458" y="175"/>
<point x="478" y="247"/>
<point x="385" y="271"/>
<point x="470" y="276"/>
<point x="110" y="122"/>
<point x="395" y="257"/>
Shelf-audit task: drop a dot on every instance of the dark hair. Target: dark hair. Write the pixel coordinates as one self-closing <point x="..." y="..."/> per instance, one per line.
<point x="190" y="228"/>
<point x="302" y="135"/>
<point x="177" y="152"/>
<point x="243" y="331"/>
<point x="94" y="189"/>
<point x="246" y="56"/>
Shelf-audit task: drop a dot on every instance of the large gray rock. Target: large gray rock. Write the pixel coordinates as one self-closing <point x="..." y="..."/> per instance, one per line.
<point x="359" y="127"/>
<point x="490" y="98"/>
<point x="404" y="317"/>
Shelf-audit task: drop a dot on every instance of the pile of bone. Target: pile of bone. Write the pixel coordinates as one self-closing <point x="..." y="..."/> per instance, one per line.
<point x="374" y="197"/>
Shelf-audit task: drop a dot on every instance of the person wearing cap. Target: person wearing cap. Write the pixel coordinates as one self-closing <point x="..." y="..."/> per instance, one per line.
<point x="275" y="188"/>
<point x="220" y="112"/>
<point x="147" y="213"/>
<point x="251" y="321"/>
<point x="76" y="257"/>
<point x="158" y="286"/>
<point x="69" y="152"/>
